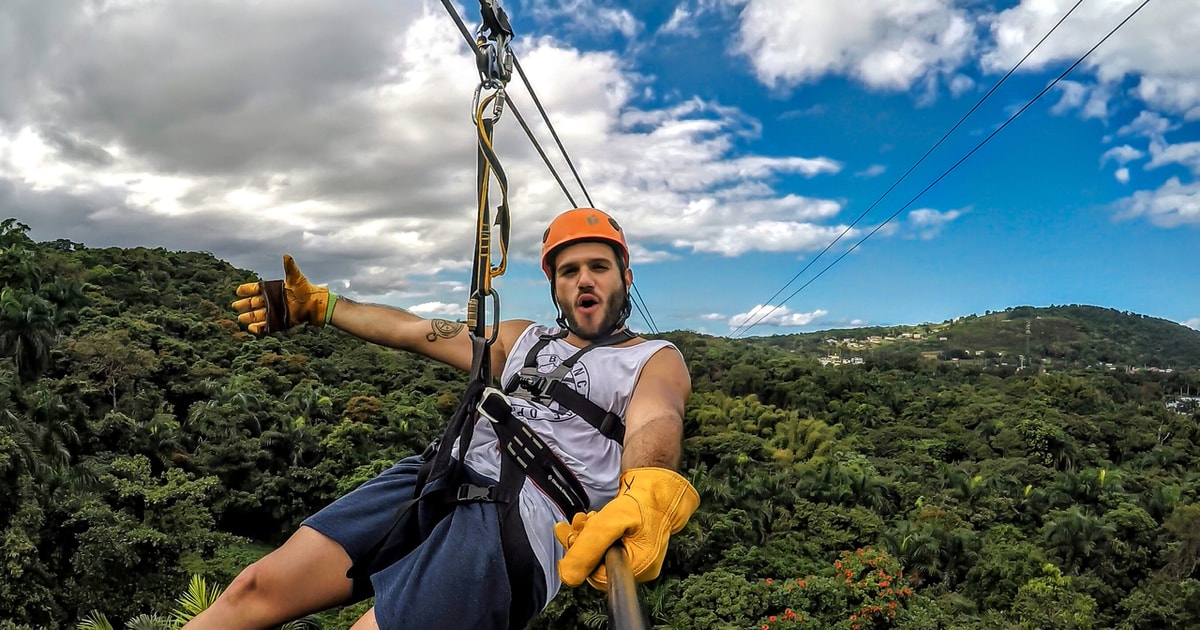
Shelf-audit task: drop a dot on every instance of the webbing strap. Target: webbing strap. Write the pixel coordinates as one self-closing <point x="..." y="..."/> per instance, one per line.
<point x="609" y="424"/>
<point x="549" y="386"/>
<point x="524" y="449"/>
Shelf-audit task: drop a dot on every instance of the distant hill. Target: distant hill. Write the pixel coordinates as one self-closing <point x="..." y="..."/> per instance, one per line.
<point x="1048" y="337"/>
<point x="1073" y="335"/>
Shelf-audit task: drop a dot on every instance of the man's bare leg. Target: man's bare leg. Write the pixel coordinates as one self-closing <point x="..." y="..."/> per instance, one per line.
<point x="366" y="622"/>
<point x="305" y="575"/>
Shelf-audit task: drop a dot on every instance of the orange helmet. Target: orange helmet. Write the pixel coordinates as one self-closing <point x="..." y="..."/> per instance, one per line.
<point x="581" y="224"/>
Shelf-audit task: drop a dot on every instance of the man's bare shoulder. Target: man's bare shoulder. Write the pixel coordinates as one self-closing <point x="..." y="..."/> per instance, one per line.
<point x="510" y="331"/>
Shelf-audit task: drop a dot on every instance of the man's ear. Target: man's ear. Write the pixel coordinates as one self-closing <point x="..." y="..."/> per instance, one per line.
<point x="628" y="278"/>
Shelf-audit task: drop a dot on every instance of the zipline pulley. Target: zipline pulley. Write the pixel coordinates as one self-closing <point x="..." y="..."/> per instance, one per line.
<point x="492" y="54"/>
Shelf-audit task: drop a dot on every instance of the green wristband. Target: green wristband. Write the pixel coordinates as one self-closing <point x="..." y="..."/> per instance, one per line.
<point x="329" y="307"/>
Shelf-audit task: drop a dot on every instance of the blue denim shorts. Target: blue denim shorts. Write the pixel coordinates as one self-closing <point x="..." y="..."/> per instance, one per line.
<point x="455" y="577"/>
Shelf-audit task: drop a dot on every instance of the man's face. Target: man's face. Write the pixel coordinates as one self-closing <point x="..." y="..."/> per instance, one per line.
<point x="590" y="288"/>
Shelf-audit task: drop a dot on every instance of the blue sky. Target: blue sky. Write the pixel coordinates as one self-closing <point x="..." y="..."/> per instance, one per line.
<point x="734" y="139"/>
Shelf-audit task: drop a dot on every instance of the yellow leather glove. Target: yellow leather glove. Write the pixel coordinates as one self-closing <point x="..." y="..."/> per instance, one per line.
<point x="652" y="504"/>
<point x="273" y="305"/>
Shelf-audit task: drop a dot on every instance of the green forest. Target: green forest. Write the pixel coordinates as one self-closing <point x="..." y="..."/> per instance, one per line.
<point x="1031" y="468"/>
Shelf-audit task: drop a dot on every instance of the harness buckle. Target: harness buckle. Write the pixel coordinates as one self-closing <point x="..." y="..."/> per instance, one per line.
<point x="468" y="492"/>
<point x="487" y="405"/>
<point x="534" y="382"/>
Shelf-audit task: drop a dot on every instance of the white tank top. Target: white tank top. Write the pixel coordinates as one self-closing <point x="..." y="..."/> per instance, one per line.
<point x="606" y="376"/>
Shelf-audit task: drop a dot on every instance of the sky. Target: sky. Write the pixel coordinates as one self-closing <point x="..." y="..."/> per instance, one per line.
<point x="734" y="140"/>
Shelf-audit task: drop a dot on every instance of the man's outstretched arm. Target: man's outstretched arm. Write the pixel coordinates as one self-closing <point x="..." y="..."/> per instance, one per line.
<point x="439" y="339"/>
<point x="277" y="305"/>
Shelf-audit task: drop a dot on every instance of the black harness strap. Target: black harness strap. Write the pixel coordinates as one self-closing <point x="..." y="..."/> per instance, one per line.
<point x="530" y="454"/>
<point x="542" y="387"/>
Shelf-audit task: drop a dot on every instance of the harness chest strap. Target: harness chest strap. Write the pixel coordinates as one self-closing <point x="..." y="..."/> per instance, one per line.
<point x="539" y="386"/>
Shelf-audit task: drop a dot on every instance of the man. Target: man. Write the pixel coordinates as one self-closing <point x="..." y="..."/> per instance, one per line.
<point x="597" y="410"/>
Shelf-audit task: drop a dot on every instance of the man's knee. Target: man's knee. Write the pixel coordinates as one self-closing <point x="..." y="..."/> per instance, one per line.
<point x="251" y="586"/>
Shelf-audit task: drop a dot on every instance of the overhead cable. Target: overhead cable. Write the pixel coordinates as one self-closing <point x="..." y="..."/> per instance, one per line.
<point x="550" y="126"/>
<point x="748" y="324"/>
<point x="771" y="309"/>
<point x="954" y="166"/>
<point x="635" y="297"/>
<point x="545" y="158"/>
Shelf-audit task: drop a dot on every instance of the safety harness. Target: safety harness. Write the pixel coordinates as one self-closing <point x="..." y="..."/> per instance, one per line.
<point x="524" y="453"/>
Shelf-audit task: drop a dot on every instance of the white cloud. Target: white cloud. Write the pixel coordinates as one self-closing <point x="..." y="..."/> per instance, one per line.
<point x="439" y="308"/>
<point x="1122" y="155"/>
<point x="1148" y="124"/>
<point x="926" y="223"/>
<point x="882" y="43"/>
<point x="1158" y="47"/>
<point x="1090" y="99"/>
<point x="585" y="16"/>
<point x="1185" y="153"/>
<point x="1193" y="323"/>
<point x="678" y="23"/>
<point x="777" y="316"/>
<point x="711" y="317"/>
<point x="1073" y="95"/>
<point x="1122" y="175"/>
<point x="960" y="84"/>
<point x="874" y="170"/>
<point x="1172" y="205"/>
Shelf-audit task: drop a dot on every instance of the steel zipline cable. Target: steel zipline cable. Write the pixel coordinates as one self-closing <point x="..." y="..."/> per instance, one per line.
<point x="635" y="297"/>
<point x="759" y="318"/>
<point x="963" y="158"/>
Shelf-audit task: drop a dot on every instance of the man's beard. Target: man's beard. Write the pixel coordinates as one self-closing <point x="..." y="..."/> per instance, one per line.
<point x="613" y="309"/>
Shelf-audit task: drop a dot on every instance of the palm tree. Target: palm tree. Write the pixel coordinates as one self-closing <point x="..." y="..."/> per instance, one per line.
<point x="17" y="428"/>
<point x="1161" y="499"/>
<point x="27" y="331"/>
<point x="95" y="620"/>
<point x="310" y="403"/>
<point x="967" y="489"/>
<point x="1076" y="537"/>
<point x="916" y="548"/>
<point x="68" y="297"/>
<point x="868" y="490"/>
<point x="957" y="553"/>
<point x="289" y="435"/>
<point x="195" y="600"/>
<point x="149" y="622"/>
<point x="56" y="437"/>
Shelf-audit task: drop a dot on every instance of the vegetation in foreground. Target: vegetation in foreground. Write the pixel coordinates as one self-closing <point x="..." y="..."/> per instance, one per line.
<point x="145" y="440"/>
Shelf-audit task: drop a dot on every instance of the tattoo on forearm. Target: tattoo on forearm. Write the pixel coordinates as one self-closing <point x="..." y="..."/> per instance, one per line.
<point x="444" y="329"/>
